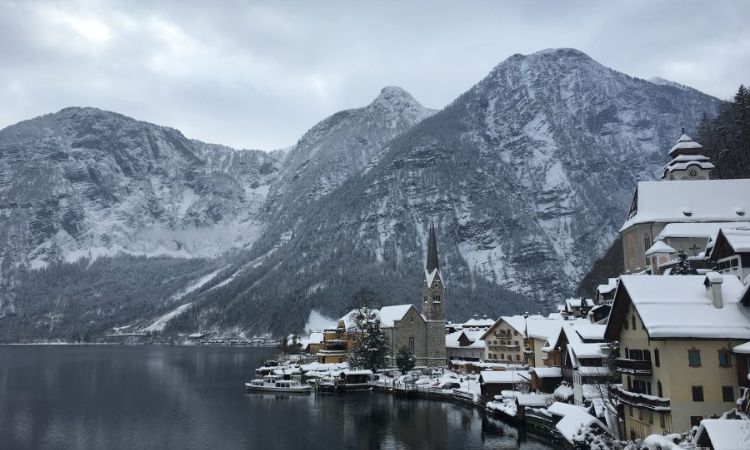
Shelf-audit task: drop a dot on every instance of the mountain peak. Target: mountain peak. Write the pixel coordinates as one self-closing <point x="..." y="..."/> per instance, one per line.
<point x="561" y="53"/>
<point x="394" y="95"/>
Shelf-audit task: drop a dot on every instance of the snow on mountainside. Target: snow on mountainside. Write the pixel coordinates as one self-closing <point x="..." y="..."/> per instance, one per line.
<point x="338" y="147"/>
<point x="87" y="183"/>
<point x="528" y="174"/>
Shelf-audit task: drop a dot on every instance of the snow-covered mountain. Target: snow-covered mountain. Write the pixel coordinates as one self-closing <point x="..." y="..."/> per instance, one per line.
<point x="528" y="175"/>
<point x="85" y="183"/>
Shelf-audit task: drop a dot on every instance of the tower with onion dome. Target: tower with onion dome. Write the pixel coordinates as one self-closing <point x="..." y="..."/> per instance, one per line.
<point x="688" y="161"/>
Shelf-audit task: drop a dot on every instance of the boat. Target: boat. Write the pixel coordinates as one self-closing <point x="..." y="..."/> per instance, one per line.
<point x="273" y="383"/>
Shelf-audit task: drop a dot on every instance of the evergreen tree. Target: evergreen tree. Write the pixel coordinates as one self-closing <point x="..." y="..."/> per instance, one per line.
<point x="405" y="360"/>
<point x="371" y="346"/>
<point x="727" y="137"/>
<point x="683" y="265"/>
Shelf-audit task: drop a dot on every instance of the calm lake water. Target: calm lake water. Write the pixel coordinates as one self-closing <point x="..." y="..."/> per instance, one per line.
<point x="153" y="397"/>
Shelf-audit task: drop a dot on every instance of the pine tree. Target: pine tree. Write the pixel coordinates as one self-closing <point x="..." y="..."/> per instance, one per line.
<point x="405" y="360"/>
<point x="371" y="346"/>
<point x="683" y="265"/>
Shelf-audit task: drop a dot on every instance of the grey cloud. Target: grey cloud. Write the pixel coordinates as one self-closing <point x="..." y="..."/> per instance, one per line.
<point x="258" y="74"/>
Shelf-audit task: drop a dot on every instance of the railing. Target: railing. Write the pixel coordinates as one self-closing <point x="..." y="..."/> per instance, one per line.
<point x="643" y="400"/>
<point x="634" y="366"/>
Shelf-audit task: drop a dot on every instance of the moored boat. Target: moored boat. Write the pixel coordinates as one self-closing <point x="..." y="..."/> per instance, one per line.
<point x="275" y="384"/>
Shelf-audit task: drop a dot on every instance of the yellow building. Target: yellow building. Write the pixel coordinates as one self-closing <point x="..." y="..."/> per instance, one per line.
<point x="337" y="342"/>
<point x="676" y="336"/>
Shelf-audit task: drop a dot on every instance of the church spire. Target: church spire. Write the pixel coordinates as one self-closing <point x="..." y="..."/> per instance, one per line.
<point x="432" y="252"/>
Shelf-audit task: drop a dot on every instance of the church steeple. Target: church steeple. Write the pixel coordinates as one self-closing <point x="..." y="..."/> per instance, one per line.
<point x="432" y="252"/>
<point x="432" y="283"/>
<point x="688" y="162"/>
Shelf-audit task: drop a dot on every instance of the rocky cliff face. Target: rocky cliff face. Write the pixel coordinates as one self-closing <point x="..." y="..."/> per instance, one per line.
<point x="528" y="175"/>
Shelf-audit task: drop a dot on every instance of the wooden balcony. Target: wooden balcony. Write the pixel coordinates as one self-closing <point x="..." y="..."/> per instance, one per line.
<point x="634" y="366"/>
<point x="643" y="400"/>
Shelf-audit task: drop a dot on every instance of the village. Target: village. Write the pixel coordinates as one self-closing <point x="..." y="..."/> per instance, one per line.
<point x="656" y="357"/>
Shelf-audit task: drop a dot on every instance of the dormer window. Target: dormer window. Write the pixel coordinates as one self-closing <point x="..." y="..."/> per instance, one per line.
<point x="687" y="212"/>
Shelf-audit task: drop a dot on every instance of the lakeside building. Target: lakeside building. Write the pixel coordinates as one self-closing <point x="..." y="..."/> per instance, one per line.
<point x="685" y="195"/>
<point x="518" y="339"/>
<point x="465" y="344"/>
<point x="676" y="336"/>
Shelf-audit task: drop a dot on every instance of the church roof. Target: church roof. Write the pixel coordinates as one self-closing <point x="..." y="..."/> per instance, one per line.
<point x="685" y="145"/>
<point x="390" y="314"/>
<point x="689" y="201"/>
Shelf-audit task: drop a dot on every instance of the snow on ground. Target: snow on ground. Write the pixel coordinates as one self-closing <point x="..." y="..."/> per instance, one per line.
<point x="197" y="284"/>
<point x="162" y="321"/>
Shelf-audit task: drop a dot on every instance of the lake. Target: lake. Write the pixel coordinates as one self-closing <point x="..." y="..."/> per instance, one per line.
<point x="161" y="397"/>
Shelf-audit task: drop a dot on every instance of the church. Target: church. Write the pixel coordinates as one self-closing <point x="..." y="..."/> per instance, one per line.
<point x="422" y="332"/>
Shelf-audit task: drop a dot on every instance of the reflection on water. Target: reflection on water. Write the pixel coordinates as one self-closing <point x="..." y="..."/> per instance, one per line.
<point x="192" y="397"/>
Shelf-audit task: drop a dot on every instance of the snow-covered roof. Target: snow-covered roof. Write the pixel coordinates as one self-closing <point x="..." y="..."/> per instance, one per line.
<point x="538" y="327"/>
<point x="451" y="339"/>
<point x="678" y="306"/>
<point x="430" y="276"/>
<point x="574" y="418"/>
<point x="725" y="434"/>
<point x="742" y="348"/>
<point x="659" y="247"/>
<point x="533" y="400"/>
<point x="479" y="323"/>
<point x="706" y="230"/>
<point x="607" y="288"/>
<point x="356" y="372"/>
<point x="738" y="238"/>
<point x="547" y="372"/>
<point x="589" y="350"/>
<point x="690" y="201"/>
<point x="504" y="376"/>
<point x="685" y="144"/>
<point x="390" y="314"/>
<point x="590" y="331"/>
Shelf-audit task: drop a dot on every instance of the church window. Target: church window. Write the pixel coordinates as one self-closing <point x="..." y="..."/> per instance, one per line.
<point x="411" y="344"/>
<point x="425" y="299"/>
<point x="633" y="321"/>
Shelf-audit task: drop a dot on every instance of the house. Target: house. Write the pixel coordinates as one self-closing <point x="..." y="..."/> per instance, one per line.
<point x="676" y="335"/>
<point x="605" y="293"/>
<point x="337" y="342"/>
<point x="465" y="344"/>
<point x="477" y="323"/>
<point x="730" y="252"/>
<point x="570" y="419"/>
<point x="545" y="379"/>
<point x="519" y="339"/>
<point x="689" y="196"/>
<point x="314" y="342"/>
<point x="493" y="382"/>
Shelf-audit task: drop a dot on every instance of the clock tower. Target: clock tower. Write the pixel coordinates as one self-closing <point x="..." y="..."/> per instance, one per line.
<point x="687" y="162"/>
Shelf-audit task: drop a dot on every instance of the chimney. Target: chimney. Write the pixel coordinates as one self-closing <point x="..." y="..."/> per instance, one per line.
<point x="713" y="288"/>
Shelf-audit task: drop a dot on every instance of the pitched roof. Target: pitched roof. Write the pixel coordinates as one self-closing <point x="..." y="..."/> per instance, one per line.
<point x="738" y="238"/>
<point x="706" y="230"/>
<point x="685" y="145"/>
<point x="504" y="376"/>
<point x="659" y="247"/>
<point x="390" y="314"/>
<point x="677" y="306"/>
<point x="725" y="434"/>
<point x="432" y="251"/>
<point x="689" y="201"/>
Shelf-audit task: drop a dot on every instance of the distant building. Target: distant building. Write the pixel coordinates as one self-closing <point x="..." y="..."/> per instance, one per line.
<point x="423" y="334"/>
<point x="465" y="344"/>
<point x="516" y="339"/>
<point x="689" y="196"/>
<point x="730" y="252"/>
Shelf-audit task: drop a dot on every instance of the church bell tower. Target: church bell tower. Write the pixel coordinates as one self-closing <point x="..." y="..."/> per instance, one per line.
<point x="433" y="289"/>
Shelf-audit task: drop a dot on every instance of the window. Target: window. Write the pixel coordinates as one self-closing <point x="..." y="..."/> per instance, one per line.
<point x="661" y="421"/>
<point x="727" y="393"/>
<point x="656" y="359"/>
<point x="695" y="421"/>
<point x="630" y="384"/>
<point x="518" y="357"/>
<point x="425" y="299"/>
<point x="650" y="415"/>
<point x="627" y="352"/>
<point x="633" y="321"/>
<point x="724" y="358"/>
<point x="659" y="391"/>
<point x="640" y="413"/>
<point x="626" y="324"/>
<point x="646" y="242"/>
<point x="697" y="393"/>
<point x="411" y="344"/>
<point x="694" y="358"/>
<point x="630" y="410"/>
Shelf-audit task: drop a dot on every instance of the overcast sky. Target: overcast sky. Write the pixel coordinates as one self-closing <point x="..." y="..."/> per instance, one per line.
<point x="259" y="74"/>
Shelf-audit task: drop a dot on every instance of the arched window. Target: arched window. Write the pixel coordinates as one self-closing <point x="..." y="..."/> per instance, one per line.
<point x="411" y="344"/>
